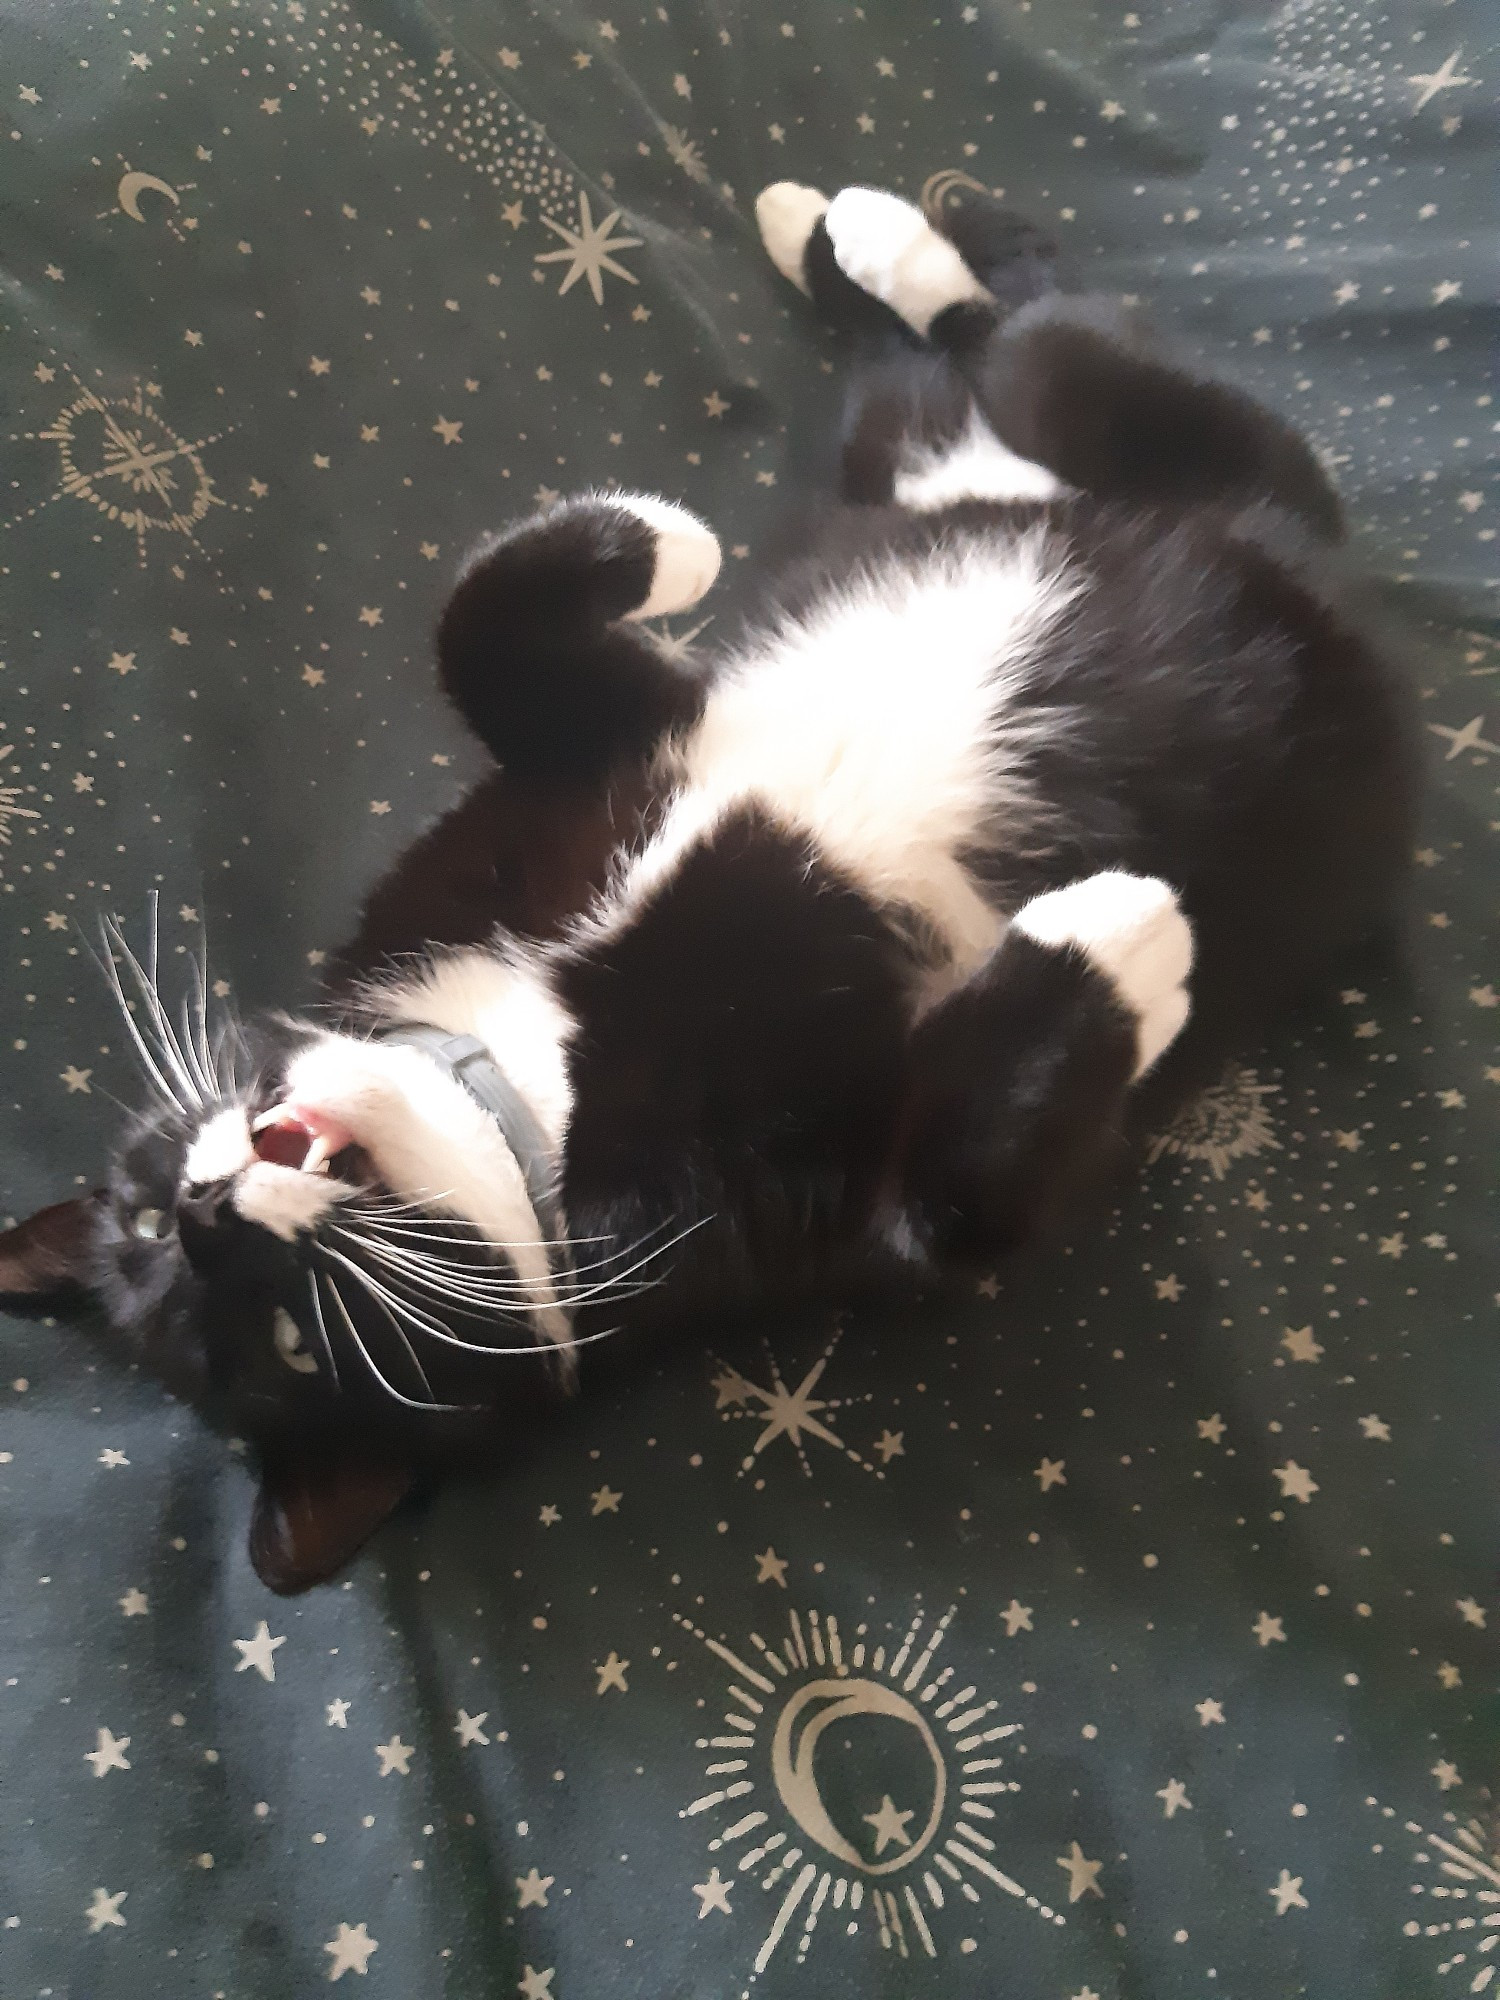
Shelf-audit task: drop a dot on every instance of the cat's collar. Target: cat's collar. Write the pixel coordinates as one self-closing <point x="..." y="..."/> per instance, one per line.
<point x="470" y="1063"/>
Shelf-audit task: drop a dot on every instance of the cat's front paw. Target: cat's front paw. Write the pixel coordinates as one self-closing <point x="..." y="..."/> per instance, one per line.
<point x="686" y="552"/>
<point x="1131" y="930"/>
<point x="786" y="215"/>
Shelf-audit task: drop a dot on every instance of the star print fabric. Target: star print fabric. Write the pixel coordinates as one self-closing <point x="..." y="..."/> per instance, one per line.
<point x="1122" y="1625"/>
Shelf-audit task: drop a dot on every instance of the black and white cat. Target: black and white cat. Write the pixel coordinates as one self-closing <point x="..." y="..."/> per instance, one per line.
<point x="1054" y="760"/>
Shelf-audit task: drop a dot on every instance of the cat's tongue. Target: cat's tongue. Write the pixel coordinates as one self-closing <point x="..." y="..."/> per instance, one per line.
<point x="298" y="1135"/>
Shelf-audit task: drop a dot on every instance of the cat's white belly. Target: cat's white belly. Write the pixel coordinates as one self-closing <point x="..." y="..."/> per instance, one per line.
<point x="877" y="727"/>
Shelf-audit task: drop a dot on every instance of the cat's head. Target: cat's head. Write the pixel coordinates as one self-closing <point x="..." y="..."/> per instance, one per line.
<point x="328" y="1247"/>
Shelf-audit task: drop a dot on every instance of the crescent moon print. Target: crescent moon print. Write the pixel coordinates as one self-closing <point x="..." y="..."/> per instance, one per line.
<point x="163" y="203"/>
<point x="855" y="1782"/>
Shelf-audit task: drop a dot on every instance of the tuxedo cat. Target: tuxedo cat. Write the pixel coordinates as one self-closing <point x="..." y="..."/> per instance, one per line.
<point x="1048" y="770"/>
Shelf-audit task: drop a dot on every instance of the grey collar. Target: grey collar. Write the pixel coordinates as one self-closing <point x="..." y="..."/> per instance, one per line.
<point x="470" y="1063"/>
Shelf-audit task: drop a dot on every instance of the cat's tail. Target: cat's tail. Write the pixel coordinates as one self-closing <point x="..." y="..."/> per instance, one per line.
<point x="891" y="275"/>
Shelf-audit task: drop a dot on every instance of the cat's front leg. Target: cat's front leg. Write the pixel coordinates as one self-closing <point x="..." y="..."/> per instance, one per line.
<point x="1019" y="1079"/>
<point x="541" y="647"/>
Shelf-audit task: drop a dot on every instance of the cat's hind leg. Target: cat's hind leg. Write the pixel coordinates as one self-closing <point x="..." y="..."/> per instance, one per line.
<point x="1020" y="1078"/>
<point x="540" y="647"/>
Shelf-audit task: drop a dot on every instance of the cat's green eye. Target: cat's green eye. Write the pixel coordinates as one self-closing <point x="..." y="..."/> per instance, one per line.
<point x="150" y="1224"/>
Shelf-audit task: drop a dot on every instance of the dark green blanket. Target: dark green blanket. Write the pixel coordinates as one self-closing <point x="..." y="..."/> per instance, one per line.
<point x="1123" y="1632"/>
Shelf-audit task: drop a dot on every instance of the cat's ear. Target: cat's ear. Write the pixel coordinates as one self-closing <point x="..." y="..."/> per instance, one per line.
<point x="49" y="1259"/>
<point x="316" y="1508"/>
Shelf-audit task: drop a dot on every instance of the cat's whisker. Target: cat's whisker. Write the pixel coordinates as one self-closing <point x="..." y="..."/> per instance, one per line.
<point x="441" y="1279"/>
<point x="111" y="971"/>
<point x="317" y="1306"/>
<point x="156" y="1015"/>
<point x="409" y="1402"/>
<point x="416" y="1235"/>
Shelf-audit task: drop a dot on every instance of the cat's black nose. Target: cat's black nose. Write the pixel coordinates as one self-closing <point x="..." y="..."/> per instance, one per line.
<point x="204" y="1207"/>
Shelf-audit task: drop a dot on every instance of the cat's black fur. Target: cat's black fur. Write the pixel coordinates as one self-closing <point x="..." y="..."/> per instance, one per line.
<point x="749" y="1065"/>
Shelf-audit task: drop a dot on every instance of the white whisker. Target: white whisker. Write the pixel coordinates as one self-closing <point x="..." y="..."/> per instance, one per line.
<point x="410" y="1402"/>
<point x="317" y="1306"/>
<point x="111" y="972"/>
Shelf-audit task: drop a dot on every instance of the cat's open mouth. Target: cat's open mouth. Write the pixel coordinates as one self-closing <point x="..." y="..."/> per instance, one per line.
<point x="312" y="1142"/>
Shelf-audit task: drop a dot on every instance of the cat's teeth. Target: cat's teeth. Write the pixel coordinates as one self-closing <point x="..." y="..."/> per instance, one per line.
<point x="317" y="1156"/>
<point x="271" y="1117"/>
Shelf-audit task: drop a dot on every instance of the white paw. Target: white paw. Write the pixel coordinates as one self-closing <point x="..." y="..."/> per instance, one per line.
<point x="687" y="553"/>
<point x="890" y="249"/>
<point x="786" y="215"/>
<point x="1129" y="928"/>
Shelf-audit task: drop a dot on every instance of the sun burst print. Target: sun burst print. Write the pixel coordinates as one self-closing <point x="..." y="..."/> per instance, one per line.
<point x="1227" y="1122"/>
<point x="119" y="455"/>
<point x="1457" y="1876"/>
<point x="856" y="1782"/>
<point x="11" y="808"/>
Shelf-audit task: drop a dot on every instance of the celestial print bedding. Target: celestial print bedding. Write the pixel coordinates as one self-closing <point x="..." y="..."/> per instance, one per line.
<point x="1124" y="1627"/>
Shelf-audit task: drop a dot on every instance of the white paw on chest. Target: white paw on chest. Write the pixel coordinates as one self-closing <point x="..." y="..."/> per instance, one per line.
<point x="1132" y="931"/>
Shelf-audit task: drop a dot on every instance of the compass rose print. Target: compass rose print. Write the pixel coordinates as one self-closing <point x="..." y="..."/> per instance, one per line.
<point x="855" y="1781"/>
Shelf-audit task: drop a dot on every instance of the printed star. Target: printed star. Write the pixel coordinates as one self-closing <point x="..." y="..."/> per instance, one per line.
<point x="1110" y="111"/>
<point x="76" y="1079"/>
<point x="771" y="1568"/>
<point x="865" y="122"/>
<point x="612" y="1675"/>
<point x="55" y="273"/>
<point x="1299" y="1343"/>
<point x="1211" y="1429"/>
<point x="1447" y="76"/>
<point x="1268" y="1630"/>
<point x="56" y="921"/>
<point x="1471" y="502"/>
<point x="1444" y="289"/>
<point x="369" y="433"/>
<point x="514" y="214"/>
<point x="549" y="1516"/>
<point x="1449" y="1675"/>
<point x="1470" y="1612"/>
<point x="370" y="296"/>
<point x="448" y="431"/>
<point x="134" y="1604"/>
<point x="105" y="1909"/>
<point x="988" y="1288"/>
<point x="28" y="94"/>
<point x="1288" y="1893"/>
<point x="608" y="32"/>
<point x="1347" y="1142"/>
<point x="890" y="1445"/>
<point x="1169" y="1287"/>
<point x="1451" y="1100"/>
<point x="1174" y="1798"/>
<point x="43" y="373"/>
<point x="606" y="1501"/>
<point x="1297" y="1483"/>
<point x="257" y="1651"/>
<point x="470" y="1728"/>
<point x="1376" y="1429"/>
<point x="508" y="58"/>
<point x="712" y="1895"/>
<point x="193" y="338"/>
<point x="82" y="782"/>
<point x="588" y="250"/>
<point x="1484" y="996"/>
<point x="885" y="67"/>
<point x="715" y="404"/>
<point x="536" y="1985"/>
<point x="789" y="1412"/>
<point x="581" y="59"/>
<point x="314" y="676"/>
<point x="1262" y="336"/>
<point x="888" y="1825"/>
<point x="380" y="807"/>
<point x="1017" y="1618"/>
<point x="681" y="85"/>
<point x="139" y="59"/>
<point x="777" y="133"/>
<point x="270" y="105"/>
<point x="350" y="1951"/>
<point x="1445" y="1772"/>
<point x="1050" y="1473"/>
<point x="370" y="614"/>
<point x="428" y="551"/>
<point x="1346" y="293"/>
<point x="731" y="1390"/>
<point x="395" y="1756"/>
<point x="109" y="1755"/>
<point x="337" y="1713"/>
<point x="1208" y="1711"/>
<point x="109" y="1456"/>
<point x="1083" y="1876"/>
<point x="1470" y="737"/>
<point x="1393" y="1246"/>
<point x="531" y="1888"/>
<point x="178" y="636"/>
<point x="258" y="491"/>
<point x="318" y="365"/>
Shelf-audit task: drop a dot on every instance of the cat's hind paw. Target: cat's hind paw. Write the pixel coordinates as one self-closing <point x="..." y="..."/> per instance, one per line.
<point x="686" y="553"/>
<point x="786" y="215"/>
<point x="1131" y="931"/>
<point x="889" y="249"/>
